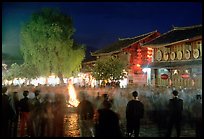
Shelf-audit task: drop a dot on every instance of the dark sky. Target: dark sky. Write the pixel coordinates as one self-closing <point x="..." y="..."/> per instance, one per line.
<point x="98" y="24"/>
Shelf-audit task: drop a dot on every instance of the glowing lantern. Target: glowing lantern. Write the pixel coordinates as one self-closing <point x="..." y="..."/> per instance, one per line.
<point x="149" y="54"/>
<point x="185" y="76"/>
<point x="164" y="76"/>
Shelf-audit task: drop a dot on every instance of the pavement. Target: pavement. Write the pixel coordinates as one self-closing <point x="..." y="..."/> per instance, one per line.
<point x="72" y="128"/>
<point x="149" y="129"/>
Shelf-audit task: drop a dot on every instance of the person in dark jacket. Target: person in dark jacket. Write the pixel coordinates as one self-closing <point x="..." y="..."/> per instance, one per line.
<point x="175" y="109"/>
<point x="15" y="104"/>
<point x="85" y="110"/>
<point x="107" y="122"/>
<point x="7" y="114"/>
<point x="24" y="107"/>
<point x="35" y="114"/>
<point x="134" y="112"/>
<point x="197" y="116"/>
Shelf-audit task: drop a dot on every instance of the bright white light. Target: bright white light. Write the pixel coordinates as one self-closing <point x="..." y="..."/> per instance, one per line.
<point x="72" y="95"/>
<point x="16" y="81"/>
<point x="146" y="70"/>
<point x="175" y="72"/>
<point x="34" y="82"/>
<point x="42" y="80"/>
<point x="123" y="83"/>
<point x="53" y="81"/>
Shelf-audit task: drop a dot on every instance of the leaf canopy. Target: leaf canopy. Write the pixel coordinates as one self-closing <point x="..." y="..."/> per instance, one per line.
<point x="47" y="43"/>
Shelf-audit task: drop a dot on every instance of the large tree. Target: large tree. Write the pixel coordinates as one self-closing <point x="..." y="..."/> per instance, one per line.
<point x="109" y="68"/>
<point x="47" y="43"/>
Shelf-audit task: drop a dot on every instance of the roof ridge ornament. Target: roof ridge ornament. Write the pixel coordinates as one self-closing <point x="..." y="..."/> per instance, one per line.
<point x="173" y="27"/>
<point x="186" y="27"/>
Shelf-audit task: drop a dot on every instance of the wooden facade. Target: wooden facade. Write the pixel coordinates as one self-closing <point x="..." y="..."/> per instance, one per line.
<point x="177" y="58"/>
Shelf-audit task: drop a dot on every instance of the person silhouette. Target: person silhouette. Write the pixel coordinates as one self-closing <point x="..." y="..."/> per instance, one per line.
<point x="197" y="116"/>
<point x="107" y="122"/>
<point x="85" y="110"/>
<point x="134" y="112"/>
<point x="175" y="109"/>
<point x="8" y="113"/>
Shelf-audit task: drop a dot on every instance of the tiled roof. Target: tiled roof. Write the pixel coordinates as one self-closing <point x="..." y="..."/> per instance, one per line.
<point x="175" y="35"/>
<point x="121" y="43"/>
<point x="89" y="59"/>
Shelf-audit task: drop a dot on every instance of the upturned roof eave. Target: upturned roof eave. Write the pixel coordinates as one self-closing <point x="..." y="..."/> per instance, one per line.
<point x="121" y="49"/>
<point x="140" y="39"/>
<point x="102" y="54"/>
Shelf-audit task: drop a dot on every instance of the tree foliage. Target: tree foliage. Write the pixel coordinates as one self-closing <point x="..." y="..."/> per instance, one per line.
<point x="47" y="43"/>
<point x="12" y="73"/>
<point x="21" y="71"/>
<point x="28" y="71"/>
<point x="109" y="68"/>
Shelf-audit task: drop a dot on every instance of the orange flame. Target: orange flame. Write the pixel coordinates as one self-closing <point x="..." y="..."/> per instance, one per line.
<point x="72" y="95"/>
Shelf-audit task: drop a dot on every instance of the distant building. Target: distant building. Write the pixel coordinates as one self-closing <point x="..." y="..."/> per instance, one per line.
<point x="88" y="63"/>
<point x="177" y="58"/>
<point x="130" y="51"/>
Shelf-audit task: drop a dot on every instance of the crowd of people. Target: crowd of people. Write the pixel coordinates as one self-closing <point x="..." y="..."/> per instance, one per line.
<point x="42" y="115"/>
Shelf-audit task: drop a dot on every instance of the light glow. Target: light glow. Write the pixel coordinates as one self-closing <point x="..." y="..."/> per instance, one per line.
<point x="72" y="95"/>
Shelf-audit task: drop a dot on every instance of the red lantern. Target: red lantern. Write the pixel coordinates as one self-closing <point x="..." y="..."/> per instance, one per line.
<point x="185" y="76"/>
<point x="164" y="76"/>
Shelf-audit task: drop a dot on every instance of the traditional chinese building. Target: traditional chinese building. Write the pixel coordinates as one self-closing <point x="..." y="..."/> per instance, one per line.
<point x="177" y="58"/>
<point x="130" y="51"/>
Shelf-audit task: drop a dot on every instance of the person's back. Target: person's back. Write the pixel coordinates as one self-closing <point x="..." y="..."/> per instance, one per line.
<point x="197" y="116"/>
<point x="85" y="109"/>
<point x="35" y="114"/>
<point x="107" y="122"/>
<point x="7" y="115"/>
<point x="134" y="112"/>
<point x="16" y="109"/>
<point x="24" y="107"/>
<point x="175" y="108"/>
<point x="6" y="106"/>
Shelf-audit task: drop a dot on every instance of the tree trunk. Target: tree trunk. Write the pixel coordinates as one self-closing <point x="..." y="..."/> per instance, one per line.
<point x="61" y="78"/>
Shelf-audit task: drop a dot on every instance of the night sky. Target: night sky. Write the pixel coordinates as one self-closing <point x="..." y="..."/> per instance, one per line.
<point x="101" y="23"/>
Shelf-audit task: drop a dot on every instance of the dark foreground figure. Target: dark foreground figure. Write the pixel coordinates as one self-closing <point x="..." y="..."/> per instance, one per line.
<point x="107" y="122"/>
<point x="175" y="108"/>
<point x="134" y="112"/>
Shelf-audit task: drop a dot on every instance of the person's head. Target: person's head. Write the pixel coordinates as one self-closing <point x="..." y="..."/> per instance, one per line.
<point x="37" y="92"/>
<point x="105" y="96"/>
<point x="198" y="97"/>
<point x="107" y="104"/>
<point x="135" y="94"/>
<point x="4" y="89"/>
<point x="25" y="93"/>
<point x="175" y="93"/>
